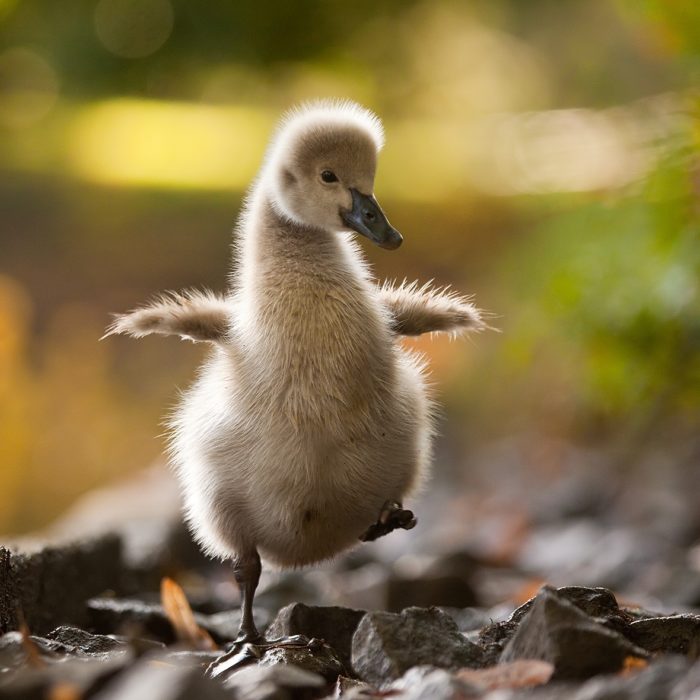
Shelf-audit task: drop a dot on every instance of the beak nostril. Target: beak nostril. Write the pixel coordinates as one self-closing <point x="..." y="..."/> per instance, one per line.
<point x="368" y="215"/>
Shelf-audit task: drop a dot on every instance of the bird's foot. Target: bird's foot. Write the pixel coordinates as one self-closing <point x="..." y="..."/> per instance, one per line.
<point x="244" y="651"/>
<point x="391" y="517"/>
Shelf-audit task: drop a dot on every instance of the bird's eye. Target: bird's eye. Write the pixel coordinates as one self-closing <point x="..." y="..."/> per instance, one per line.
<point x="329" y="176"/>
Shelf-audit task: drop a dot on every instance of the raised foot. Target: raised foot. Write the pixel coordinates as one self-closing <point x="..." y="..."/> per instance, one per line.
<point x="392" y="517"/>
<point x="244" y="651"/>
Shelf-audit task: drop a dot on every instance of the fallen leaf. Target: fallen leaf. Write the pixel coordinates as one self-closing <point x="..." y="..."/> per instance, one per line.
<point x="31" y="649"/>
<point x="528" y="590"/>
<point x="64" y="691"/>
<point x="632" y="664"/>
<point x="180" y="614"/>
<point x="524" y="673"/>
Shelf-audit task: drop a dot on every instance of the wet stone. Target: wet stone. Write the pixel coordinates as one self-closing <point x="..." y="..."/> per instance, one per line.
<point x="334" y="625"/>
<point x="72" y="640"/>
<point x="386" y="645"/>
<point x="316" y="657"/>
<point x="677" y="634"/>
<point x="555" y="630"/>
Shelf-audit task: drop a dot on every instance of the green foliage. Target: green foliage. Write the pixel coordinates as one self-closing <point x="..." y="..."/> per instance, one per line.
<point x="614" y="286"/>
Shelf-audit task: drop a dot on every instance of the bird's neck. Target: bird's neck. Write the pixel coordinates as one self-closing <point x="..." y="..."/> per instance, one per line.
<point x="275" y="249"/>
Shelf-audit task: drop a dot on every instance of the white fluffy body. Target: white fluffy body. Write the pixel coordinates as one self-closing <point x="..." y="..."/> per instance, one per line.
<point x="308" y="414"/>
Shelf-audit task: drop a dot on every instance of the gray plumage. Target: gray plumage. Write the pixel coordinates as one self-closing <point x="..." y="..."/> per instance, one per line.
<point x="308" y="414"/>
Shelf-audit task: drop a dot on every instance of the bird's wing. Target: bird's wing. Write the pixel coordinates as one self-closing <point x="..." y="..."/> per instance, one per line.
<point x="415" y="309"/>
<point x="192" y="315"/>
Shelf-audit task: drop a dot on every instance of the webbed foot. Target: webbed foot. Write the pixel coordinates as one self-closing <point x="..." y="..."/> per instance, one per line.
<point x="243" y="652"/>
<point x="391" y="517"/>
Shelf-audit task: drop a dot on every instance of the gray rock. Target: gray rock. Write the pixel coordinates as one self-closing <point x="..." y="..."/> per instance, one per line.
<point x="386" y="645"/>
<point x="131" y="616"/>
<point x="555" y="630"/>
<point x="334" y="625"/>
<point x="316" y="657"/>
<point x="653" y="683"/>
<point x="593" y="601"/>
<point x="275" y="682"/>
<point x="72" y="640"/>
<point x="84" y="675"/>
<point x="677" y="634"/>
<point x="596" y="602"/>
<point x="160" y="681"/>
<point x="50" y="586"/>
<point x="470" y="619"/>
<point x="187" y="657"/>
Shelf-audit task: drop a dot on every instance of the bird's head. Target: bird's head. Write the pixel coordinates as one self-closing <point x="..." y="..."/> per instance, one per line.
<point x="321" y="169"/>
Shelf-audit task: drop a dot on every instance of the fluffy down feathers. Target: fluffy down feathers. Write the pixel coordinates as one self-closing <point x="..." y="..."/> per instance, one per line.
<point x="416" y="310"/>
<point x="192" y="315"/>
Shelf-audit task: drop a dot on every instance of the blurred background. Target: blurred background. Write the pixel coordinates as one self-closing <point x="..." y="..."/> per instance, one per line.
<point x="540" y="155"/>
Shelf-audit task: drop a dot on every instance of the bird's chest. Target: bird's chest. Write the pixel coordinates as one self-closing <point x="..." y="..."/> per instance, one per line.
<point x="322" y="355"/>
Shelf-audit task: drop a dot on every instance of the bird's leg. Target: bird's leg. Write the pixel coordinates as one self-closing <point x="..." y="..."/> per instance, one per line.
<point x="391" y="517"/>
<point x="246" y="570"/>
<point x="250" y="645"/>
<point x="243" y="650"/>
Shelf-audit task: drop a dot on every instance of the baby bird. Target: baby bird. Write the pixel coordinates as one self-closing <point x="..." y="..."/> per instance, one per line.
<point x="309" y="423"/>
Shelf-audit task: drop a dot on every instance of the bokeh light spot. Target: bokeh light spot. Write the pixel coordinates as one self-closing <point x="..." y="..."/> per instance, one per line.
<point x="28" y="88"/>
<point x="133" y="28"/>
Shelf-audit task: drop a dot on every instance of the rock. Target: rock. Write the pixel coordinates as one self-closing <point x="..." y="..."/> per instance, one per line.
<point x="160" y="681"/>
<point x="677" y="634"/>
<point x="135" y="617"/>
<point x="422" y="682"/>
<point x="350" y="687"/>
<point x="12" y="651"/>
<point x="72" y="640"/>
<point x="470" y="619"/>
<point x="334" y="625"/>
<point x="593" y="601"/>
<point x="275" y="682"/>
<point x="50" y="585"/>
<point x="596" y="602"/>
<point x="316" y="657"/>
<point x="525" y="673"/>
<point x="386" y="645"/>
<point x="129" y="617"/>
<point x="555" y="630"/>
<point x="78" y="677"/>
<point x="653" y="683"/>
<point x="187" y="657"/>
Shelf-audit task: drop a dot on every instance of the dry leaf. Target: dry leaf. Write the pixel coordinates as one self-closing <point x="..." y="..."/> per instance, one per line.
<point x="181" y="617"/>
<point x="632" y="664"/>
<point x="64" y="691"/>
<point x="31" y="649"/>
<point x="528" y="590"/>
<point x="517" y="674"/>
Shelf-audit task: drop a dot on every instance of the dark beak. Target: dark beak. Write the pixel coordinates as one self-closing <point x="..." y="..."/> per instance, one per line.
<point x="366" y="217"/>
